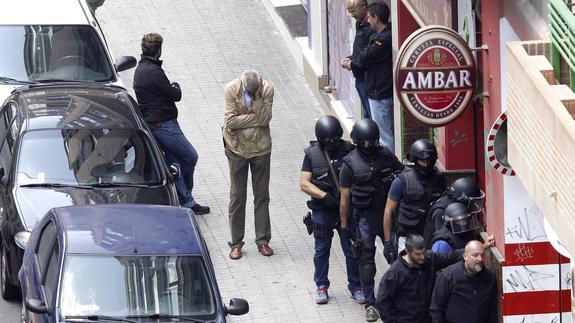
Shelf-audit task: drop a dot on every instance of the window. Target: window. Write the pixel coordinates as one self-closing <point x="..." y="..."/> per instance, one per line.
<point x="50" y="278"/>
<point x="45" y="245"/>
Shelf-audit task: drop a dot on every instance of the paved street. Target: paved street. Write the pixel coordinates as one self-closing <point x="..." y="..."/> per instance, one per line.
<point x="206" y="44"/>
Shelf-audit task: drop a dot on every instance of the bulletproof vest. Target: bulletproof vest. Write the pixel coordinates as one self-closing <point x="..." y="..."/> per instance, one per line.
<point x="321" y="176"/>
<point x="418" y="195"/>
<point x="371" y="179"/>
<point x="456" y="241"/>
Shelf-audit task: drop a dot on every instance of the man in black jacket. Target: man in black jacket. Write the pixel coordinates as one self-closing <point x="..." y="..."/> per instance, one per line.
<point x="157" y="99"/>
<point x="358" y="10"/>
<point x="405" y="289"/>
<point x="377" y="61"/>
<point x="466" y="291"/>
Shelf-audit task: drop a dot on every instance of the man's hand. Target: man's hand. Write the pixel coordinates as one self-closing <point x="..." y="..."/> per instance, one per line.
<point x="389" y="252"/>
<point x="489" y="242"/>
<point x="346" y="63"/>
<point x="329" y="201"/>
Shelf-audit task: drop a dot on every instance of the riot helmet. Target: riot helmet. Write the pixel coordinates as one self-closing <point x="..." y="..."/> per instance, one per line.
<point x="365" y="135"/>
<point x="423" y="149"/>
<point x="466" y="191"/>
<point x="458" y="218"/>
<point x="328" y="132"/>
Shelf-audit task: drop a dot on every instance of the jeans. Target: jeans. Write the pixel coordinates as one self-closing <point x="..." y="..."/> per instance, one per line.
<point x="360" y="87"/>
<point x="323" y="219"/>
<point x="177" y="149"/>
<point x="367" y="260"/>
<point x="382" y="114"/>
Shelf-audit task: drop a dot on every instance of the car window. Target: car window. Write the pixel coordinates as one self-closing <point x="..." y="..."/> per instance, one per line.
<point x="45" y="244"/>
<point x="47" y="52"/>
<point x="50" y="278"/>
<point x="5" y="156"/>
<point x="137" y="285"/>
<point x="87" y="156"/>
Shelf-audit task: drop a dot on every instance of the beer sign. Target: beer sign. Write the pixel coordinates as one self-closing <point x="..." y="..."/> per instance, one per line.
<point x="435" y="75"/>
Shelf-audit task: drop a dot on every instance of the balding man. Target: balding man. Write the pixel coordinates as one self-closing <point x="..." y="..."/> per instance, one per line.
<point x="466" y="291"/>
<point x="358" y="10"/>
<point x="404" y="294"/>
<point x="248" y="144"/>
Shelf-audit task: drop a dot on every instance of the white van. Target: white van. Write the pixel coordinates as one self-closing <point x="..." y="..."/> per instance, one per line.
<point x="51" y="41"/>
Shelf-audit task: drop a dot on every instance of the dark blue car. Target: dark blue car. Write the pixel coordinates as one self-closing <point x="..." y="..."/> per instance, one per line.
<point x="120" y="263"/>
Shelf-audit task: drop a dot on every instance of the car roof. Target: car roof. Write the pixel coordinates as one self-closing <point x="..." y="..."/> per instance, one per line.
<point x="76" y="106"/>
<point x="128" y="229"/>
<point x="44" y="12"/>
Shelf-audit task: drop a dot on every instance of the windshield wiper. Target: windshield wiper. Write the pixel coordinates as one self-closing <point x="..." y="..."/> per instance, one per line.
<point x="49" y="185"/>
<point x="96" y="318"/>
<point x="9" y="80"/>
<point x="165" y="316"/>
<point x="118" y="185"/>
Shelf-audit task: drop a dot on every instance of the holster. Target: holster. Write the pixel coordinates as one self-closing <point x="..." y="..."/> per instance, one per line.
<point x="308" y="223"/>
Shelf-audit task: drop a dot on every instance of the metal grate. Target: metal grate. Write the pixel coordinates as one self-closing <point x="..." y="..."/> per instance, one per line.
<point x="295" y="18"/>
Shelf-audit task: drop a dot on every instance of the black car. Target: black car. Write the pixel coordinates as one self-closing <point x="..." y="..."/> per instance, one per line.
<point x="71" y="144"/>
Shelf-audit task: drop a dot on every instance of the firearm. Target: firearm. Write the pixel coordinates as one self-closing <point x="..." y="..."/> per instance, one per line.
<point x="308" y="223"/>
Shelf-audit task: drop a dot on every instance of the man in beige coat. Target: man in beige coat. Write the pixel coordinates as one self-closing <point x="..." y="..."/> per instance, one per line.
<point x="248" y="144"/>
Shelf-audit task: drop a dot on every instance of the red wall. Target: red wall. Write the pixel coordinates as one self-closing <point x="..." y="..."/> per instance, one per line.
<point x="490" y="68"/>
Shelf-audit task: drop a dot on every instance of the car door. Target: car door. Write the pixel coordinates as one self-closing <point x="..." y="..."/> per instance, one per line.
<point x="44" y="272"/>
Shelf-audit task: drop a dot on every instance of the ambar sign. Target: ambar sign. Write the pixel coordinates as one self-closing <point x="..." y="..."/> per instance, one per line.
<point x="435" y="75"/>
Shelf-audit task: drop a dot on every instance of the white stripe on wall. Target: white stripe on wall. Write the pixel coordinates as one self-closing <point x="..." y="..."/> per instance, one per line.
<point x="534" y="278"/>
<point x="538" y="318"/>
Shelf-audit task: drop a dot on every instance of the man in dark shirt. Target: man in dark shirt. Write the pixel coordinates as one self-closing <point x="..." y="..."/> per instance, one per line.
<point x="405" y="289"/>
<point x="364" y="181"/>
<point x="466" y="291"/>
<point x="157" y="99"/>
<point x="358" y="10"/>
<point x="377" y="61"/>
<point x="319" y="180"/>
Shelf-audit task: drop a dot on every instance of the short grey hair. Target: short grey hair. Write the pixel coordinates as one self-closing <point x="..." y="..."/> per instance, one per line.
<point x="251" y="80"/>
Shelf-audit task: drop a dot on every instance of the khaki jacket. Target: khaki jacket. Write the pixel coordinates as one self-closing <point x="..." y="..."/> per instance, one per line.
<point x="246" y="130"/>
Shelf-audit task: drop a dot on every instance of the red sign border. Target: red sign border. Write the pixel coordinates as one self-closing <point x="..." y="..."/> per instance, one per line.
<point x="402" y="54"/>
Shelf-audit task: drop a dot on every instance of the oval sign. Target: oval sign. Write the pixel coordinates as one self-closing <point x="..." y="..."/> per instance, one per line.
<point x="435" y="75"/>
<point x="496" y="146"/>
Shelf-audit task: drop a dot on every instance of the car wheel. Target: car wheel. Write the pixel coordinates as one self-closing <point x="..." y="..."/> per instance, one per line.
<point x="9" y="291"/>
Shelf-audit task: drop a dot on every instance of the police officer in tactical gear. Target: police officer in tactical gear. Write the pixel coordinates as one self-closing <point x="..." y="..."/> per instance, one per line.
<point x="411" y="196"/>
<point x="319" y="179"/>
<point x="365" y="178"/>
<point x="464" y="190"/>
<point x="461" y="225"/>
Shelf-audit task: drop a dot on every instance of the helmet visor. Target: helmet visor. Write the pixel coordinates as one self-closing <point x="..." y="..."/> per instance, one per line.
<point x="464" y="223"/>
<point x="363" y="143"/>
<point x="474" y="203"/>
<point x="426" y="155"/>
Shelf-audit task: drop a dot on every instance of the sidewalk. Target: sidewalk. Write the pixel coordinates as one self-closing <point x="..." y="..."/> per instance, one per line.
<point x="206" y="44"/>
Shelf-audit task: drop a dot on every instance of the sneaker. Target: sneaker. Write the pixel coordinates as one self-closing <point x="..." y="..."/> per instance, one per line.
<point x="321" y="296"/>
<point x="371" y="315"/>
<point x="199" y="210"/>
<point x="359" y="297"/>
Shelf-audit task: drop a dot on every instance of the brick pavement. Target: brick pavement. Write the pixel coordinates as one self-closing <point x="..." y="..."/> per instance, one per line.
<point x="206" y="44"/>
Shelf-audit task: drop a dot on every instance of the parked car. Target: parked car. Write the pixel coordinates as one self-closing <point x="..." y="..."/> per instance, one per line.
<point x="66" y="144"/>
<point x="128" y="262"/>
<point x="44" y="41"/>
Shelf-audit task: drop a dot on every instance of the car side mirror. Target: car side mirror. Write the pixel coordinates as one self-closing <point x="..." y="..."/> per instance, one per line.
<point x="175" y="171"/>
<point x="125" y="63"/>
<point x="36" y="306"/>
<point x="238" y="306"/>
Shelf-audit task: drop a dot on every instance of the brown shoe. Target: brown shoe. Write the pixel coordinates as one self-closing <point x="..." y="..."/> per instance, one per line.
<point x="236" y="253"/>
<point x="265" y="250"/>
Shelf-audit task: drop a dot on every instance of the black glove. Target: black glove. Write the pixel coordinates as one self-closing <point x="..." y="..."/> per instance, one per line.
<point x="389" y="251"/>
<point x="329" y="201"/>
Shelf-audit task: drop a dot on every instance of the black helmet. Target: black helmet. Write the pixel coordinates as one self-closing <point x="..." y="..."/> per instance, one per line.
<point x="460" y="219"/>
<point x="328" y="131"/>
<point x="365" y="134"/>
<point x="423" y="149"/>
<point x="466" y="191"/>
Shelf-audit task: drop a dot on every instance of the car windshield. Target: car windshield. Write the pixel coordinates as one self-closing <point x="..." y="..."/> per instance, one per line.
<point x="37" y="52"/>
<point x="86" y="156"/>
<point x="136" y="285"/>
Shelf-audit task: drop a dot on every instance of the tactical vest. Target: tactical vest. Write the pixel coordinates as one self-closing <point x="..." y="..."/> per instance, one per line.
<point x="418" y="195"/>
<point x="371" y="179"/>
<point x="456" y="241"/>
<point x="321" y="176"/>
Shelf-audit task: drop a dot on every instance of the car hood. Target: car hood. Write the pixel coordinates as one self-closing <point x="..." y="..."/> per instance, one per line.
<point x="34" y="203"/>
